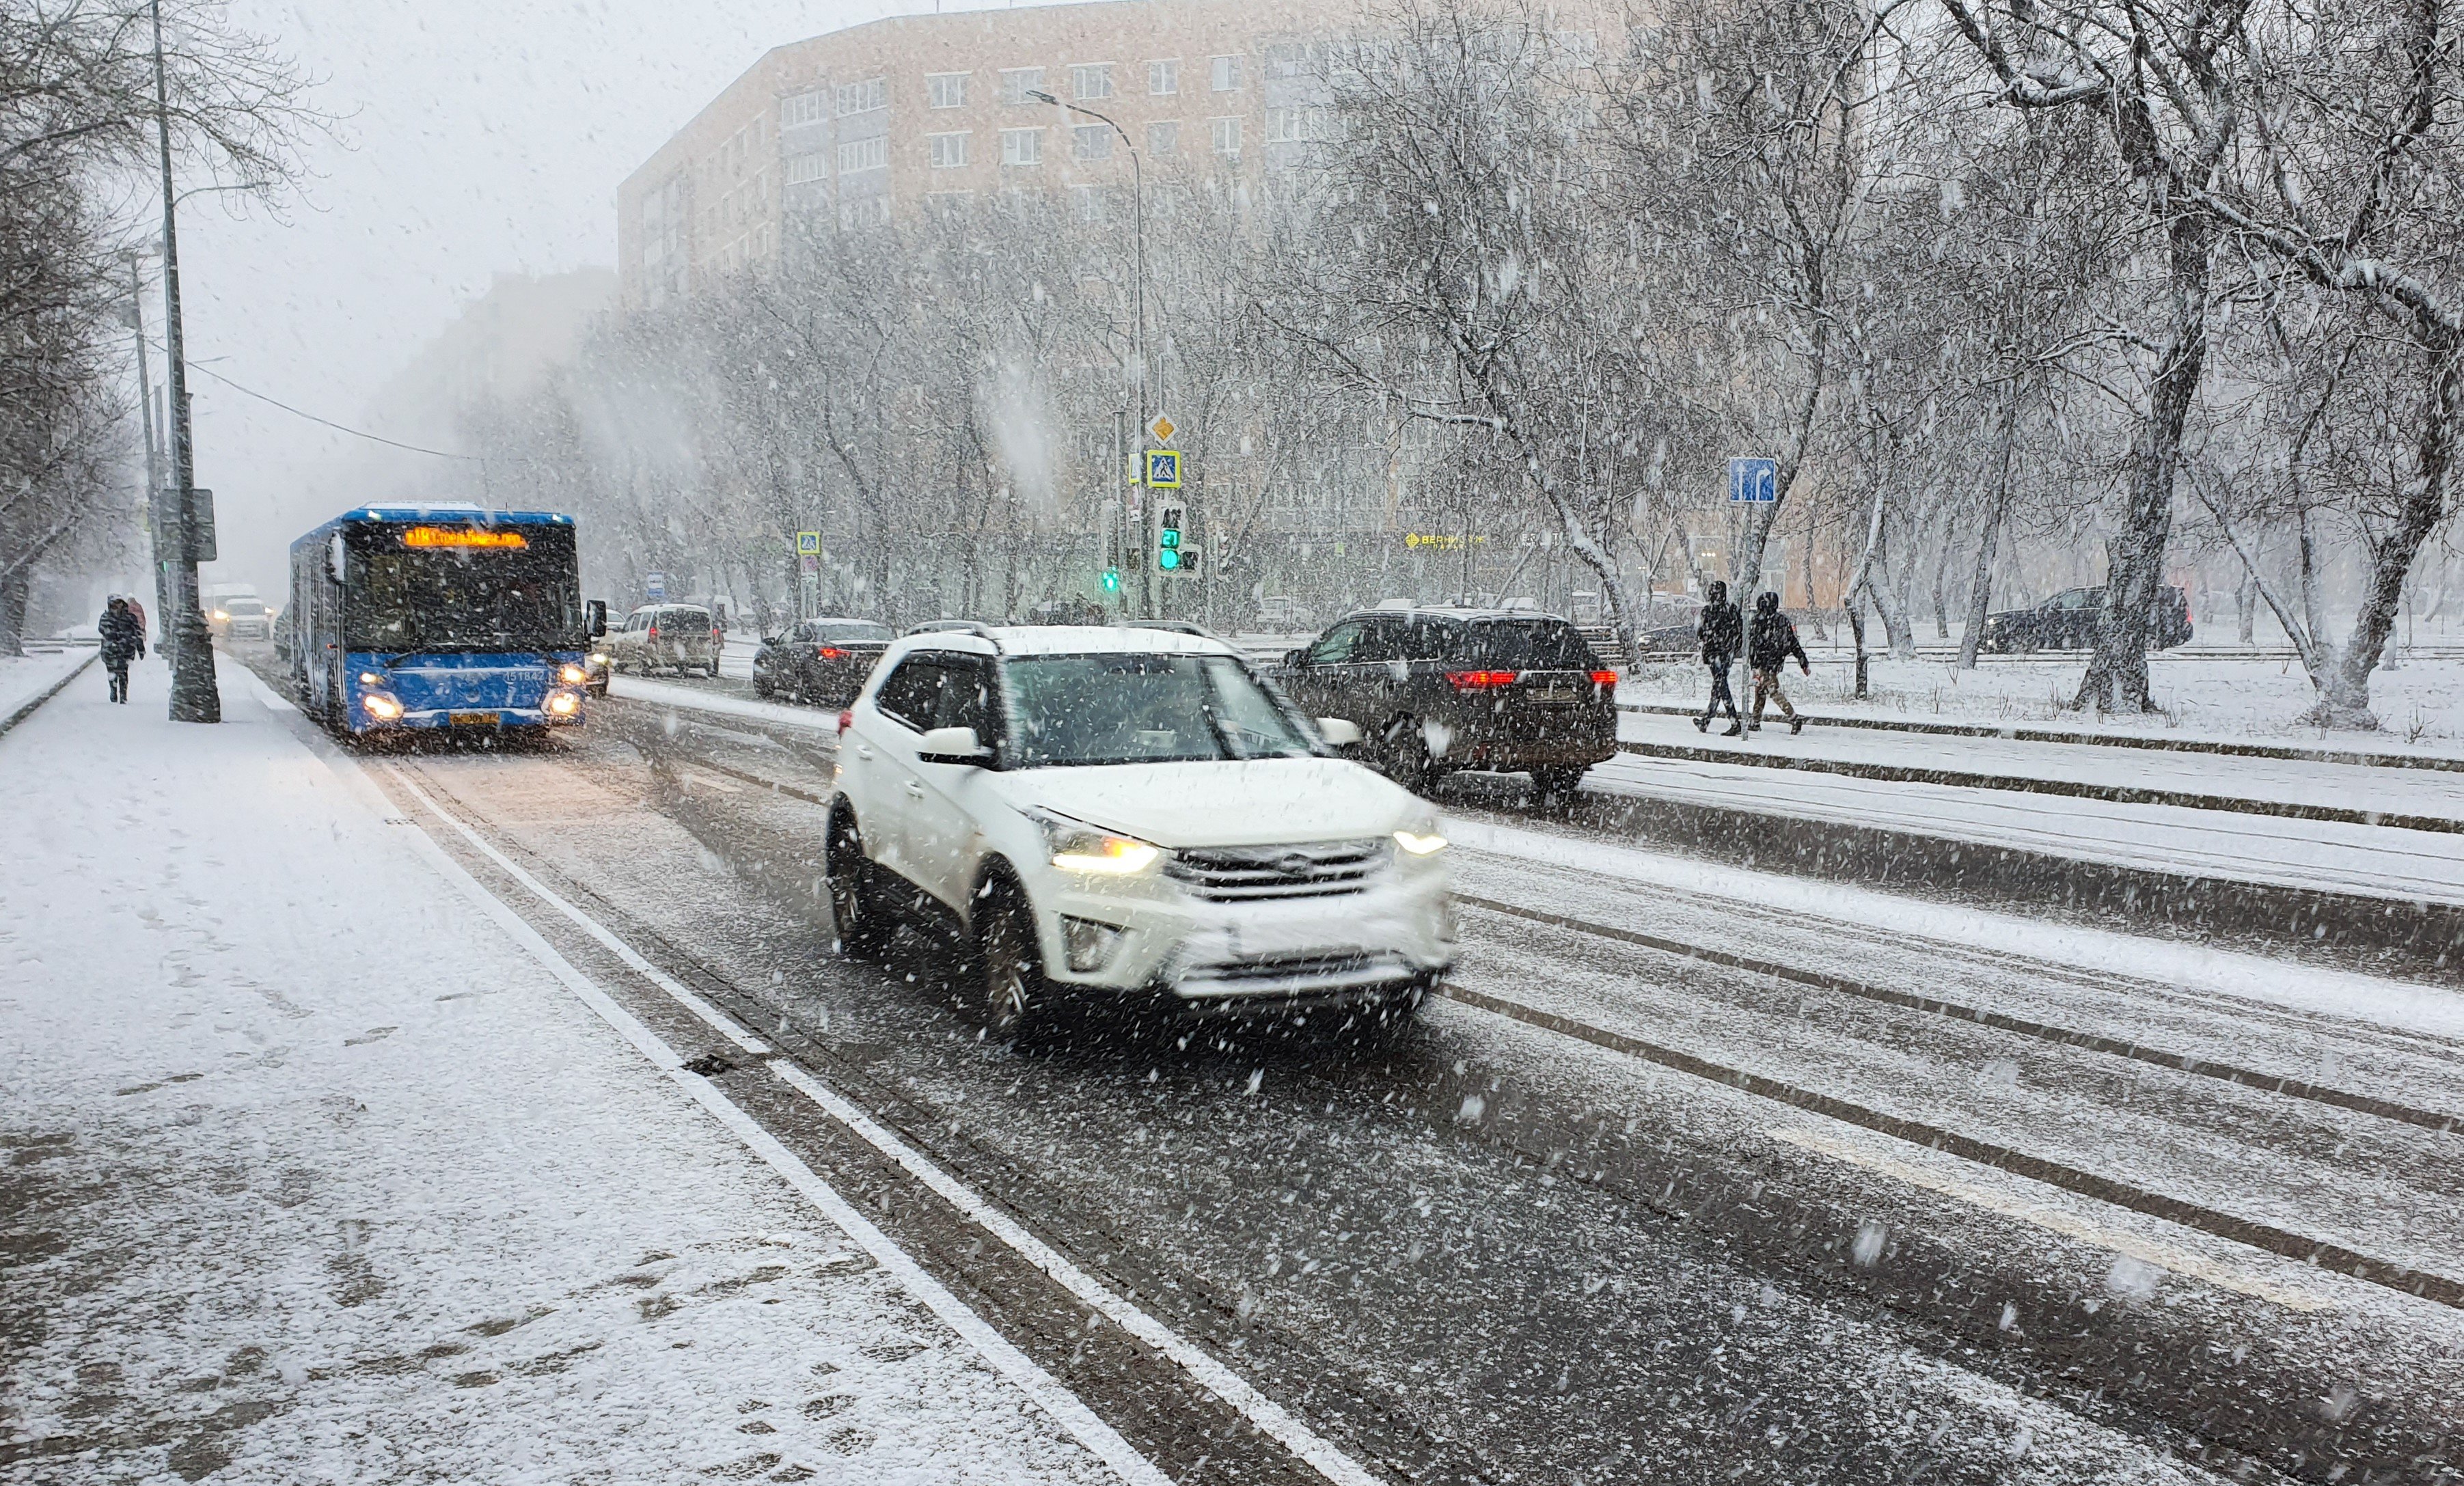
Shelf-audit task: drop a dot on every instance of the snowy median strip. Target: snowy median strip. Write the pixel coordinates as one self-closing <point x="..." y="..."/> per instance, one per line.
<point x="2324" y="992"/>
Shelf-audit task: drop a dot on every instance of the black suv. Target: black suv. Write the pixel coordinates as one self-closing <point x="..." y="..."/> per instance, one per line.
<point x="1439" y="689"/>
<point x="823" y="660"/>
<point x="2069" y="621"/>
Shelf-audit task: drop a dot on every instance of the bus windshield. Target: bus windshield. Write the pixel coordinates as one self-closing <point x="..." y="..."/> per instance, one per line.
<point x="410" y="599"/>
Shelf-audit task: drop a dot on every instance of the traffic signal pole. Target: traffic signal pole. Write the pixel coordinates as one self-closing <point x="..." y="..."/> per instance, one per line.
<point x="194" y="696"/>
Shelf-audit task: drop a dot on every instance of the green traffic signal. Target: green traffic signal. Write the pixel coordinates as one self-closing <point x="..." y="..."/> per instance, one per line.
<point x="1111" y="580"/>
<point x="1168" y="558"/>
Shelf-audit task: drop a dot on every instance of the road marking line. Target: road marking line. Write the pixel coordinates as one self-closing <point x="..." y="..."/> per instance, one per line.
<point x="2162" y="1255"/>
<point x="1223" y="1381"/>
<point x="1066" y="1408"/>
<point x="719" y="1021"/>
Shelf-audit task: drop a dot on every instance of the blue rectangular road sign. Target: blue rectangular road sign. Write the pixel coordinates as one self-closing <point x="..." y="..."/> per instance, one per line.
<point x="655" y="586"/>
<point x="1754" y="481"/>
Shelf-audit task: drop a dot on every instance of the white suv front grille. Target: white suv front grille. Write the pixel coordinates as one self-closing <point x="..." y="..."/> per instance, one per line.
<point x="1319" y="869"/>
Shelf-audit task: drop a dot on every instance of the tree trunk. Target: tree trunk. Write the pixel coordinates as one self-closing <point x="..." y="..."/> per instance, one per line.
<point x="2246" y="608"/>
<point x="1989" y="541"/>
<point x="2345" y="695"/>
<point x="2117" y="673"/>
<point x="13" y="611"/>
<point x="2314" y="606"/>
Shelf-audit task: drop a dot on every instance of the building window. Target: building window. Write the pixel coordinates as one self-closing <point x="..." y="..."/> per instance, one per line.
<point x="1163" y="79"/>
<point x="873" y="154"/>
<point x="1225" y="74"/>
<point x="1087" y="203"/>
<point x="1167" y="203"/>
<point x="1022" y="146"/>
<point x="1016" y="82"/>
<point x="949" y="205"/>
<point x="1090" y="141"/>
<point x="865" y="213"/>
<point x="1094" y="81"/>
<point x="945" y="90"/>
<point x="863" y="98"/>
<point x="1163" y="139"/>
<point x="1288" y="126"/>
<point x="948" y="150"/>
<point x="1287" y="59"/>
<point x="1227" y="133"/>
<point x="802" y="108"/>
<point x="802" y="169"/>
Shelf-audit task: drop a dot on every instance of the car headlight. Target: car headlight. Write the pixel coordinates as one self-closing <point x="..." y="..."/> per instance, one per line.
<point x="1079" y="848"/>
<point x="220" y="615"/>
<point x="571" y="675"/>
<point x="598" y="657"/>
<point x="1421" y="844"/>
<point x="381" y="707"/>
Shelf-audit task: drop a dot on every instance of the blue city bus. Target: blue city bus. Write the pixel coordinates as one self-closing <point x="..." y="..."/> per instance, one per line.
<point x="439" y="615"/>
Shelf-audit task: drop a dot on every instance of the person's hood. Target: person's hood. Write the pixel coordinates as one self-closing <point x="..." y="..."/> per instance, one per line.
<point x="1252" y="802"/>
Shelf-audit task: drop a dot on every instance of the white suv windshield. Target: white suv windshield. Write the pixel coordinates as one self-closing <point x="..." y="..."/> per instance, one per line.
<point x="1116" y="709"/>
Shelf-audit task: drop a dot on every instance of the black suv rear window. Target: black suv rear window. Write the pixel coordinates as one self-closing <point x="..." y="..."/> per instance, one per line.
<point x="685" y="619"/>
<point x="1526" y="644"/>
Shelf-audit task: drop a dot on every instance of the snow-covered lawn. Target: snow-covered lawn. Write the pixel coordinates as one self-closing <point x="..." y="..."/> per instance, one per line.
<point x="26" y="677"/>
<point x="314" y="1174"/>
<point x="2420" y="704"/>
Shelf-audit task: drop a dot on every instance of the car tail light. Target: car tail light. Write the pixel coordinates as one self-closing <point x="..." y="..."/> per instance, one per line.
<point x="1604" y="678"/>
<point x="654" y="632"/>
<point x="830" y="652"/>
<point x="847" y="719"/>
<point x="1481" y="680"/>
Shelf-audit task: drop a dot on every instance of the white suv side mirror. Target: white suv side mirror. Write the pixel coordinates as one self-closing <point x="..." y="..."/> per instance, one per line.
<point x="952" y="746"/>
<point x="1338" y="733"/>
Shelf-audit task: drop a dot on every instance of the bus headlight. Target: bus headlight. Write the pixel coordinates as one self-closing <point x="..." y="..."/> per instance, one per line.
<point x="562" y="704"/>
<point x="369" y="677"/>
<point x="381" y="707"/>
<point x="572" y="675"/>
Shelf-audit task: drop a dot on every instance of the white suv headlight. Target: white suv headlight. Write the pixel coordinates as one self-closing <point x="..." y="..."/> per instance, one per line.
<point x="1079" y="848"/>
<point x="1421" y="844"/>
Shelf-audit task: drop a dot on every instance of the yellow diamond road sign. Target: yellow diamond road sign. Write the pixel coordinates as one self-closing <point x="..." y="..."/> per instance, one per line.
<point x="1162" y="428"/>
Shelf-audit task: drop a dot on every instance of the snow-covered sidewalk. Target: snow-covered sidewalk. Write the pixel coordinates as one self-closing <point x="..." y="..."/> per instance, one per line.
<point x="315" y="1174"/>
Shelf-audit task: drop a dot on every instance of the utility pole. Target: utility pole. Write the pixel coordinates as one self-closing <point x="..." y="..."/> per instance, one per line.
<point x="155" y="516"/>
<point x="194" y="696"/>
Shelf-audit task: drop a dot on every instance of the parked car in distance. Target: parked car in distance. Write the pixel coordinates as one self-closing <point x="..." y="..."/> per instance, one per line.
<point x="1435" y="690"/>
<point x="1128" y="816"/>
<point x="675" y="636"/>
<point x="234" y="611"/>
<point x="2069" y="621"/>
<point x="822" y="661"/>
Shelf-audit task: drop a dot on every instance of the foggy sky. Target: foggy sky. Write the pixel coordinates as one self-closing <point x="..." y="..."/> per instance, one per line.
<point x="477" y="136"/>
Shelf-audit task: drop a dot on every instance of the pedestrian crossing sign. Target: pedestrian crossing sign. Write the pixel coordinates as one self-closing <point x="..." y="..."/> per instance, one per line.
<point x="1163" y="468"/>
<point x="808" y="544"/>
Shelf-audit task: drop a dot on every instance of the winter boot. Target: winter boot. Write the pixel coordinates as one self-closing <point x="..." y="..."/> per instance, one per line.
<point x="1736" y="729"/>
<point x="1796" y="725"/>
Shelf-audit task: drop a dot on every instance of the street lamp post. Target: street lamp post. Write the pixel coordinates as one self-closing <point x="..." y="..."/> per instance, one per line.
<point x="154" y="515"/>
<point x="1136" y="556"/>
<point x="194" y="696"/>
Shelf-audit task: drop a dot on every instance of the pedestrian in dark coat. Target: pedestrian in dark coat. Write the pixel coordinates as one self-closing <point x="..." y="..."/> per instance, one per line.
<point x="124" y="639"/>
<point x="1768" y="644"/>
<point x="1722" y="630"/>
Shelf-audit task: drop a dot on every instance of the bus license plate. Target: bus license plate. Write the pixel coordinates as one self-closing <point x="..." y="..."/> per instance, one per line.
<point x="475" y="719"/>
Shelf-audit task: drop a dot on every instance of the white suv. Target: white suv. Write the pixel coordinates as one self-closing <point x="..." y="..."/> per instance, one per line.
<point x="1133" y="816"/>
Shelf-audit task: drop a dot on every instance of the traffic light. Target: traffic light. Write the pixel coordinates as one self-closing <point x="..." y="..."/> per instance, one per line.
<point x="1168" y="541"/>
<point x="1111" y="580"/>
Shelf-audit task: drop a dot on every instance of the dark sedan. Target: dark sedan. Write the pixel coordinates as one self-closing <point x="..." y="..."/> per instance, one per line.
<point x="1438" y="689"/>
<point x="2069" y="621"/>
<point x="820" y="661"/>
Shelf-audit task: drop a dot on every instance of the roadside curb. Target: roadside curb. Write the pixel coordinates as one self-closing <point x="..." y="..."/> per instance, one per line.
<point x="2079" y="789"/>
<point x="2030" y="734"/>
<point x="55" y="688"/>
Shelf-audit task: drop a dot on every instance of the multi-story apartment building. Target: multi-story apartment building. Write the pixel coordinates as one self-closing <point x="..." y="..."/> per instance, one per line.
<point x="900" y="114"/>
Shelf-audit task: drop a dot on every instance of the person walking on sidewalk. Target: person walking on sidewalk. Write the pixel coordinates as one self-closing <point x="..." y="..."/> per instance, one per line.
<point x="1722" y="630"/>
<point x="124" y="639"/>
<point x="1768" y="643"/>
